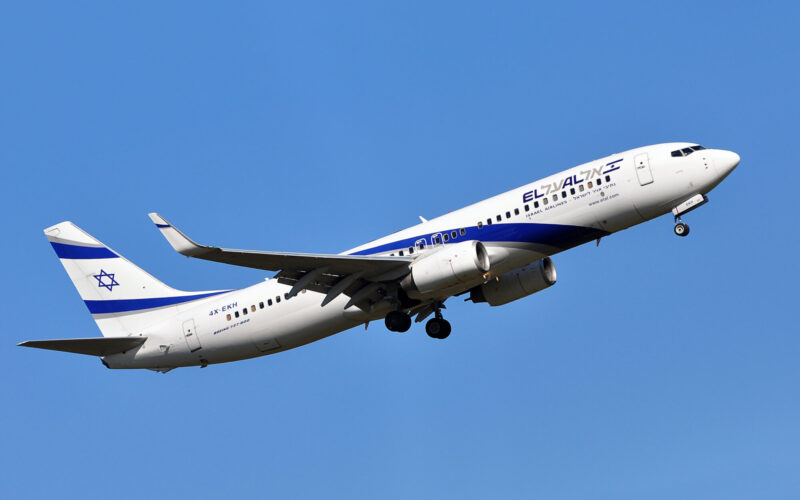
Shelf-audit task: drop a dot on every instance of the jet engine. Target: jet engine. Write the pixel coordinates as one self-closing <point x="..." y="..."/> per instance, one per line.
<point x="516" y="284"/>
<point x="449" y="266"/>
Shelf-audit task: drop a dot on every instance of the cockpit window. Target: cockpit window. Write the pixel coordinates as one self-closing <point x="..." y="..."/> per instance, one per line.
<point x="687" y="151"/>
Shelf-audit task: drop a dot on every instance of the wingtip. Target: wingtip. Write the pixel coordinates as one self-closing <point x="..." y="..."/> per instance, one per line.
<point x="179" y="241"/>
<point x="158" y="220"/>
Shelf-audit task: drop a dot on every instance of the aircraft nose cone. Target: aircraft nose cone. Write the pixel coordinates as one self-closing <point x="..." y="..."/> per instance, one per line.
<point x="725" y="161"/>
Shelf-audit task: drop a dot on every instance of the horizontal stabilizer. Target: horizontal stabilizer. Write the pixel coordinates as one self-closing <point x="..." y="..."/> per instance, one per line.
<point x="101" y="346"/>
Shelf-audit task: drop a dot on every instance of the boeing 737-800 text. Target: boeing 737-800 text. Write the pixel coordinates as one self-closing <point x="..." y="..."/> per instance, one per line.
<point x="496" y="251"/>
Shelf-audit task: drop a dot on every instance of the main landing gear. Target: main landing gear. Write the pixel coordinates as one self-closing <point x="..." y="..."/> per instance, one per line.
<point x="437" y="327"/>
<point x="398" y="321"/>
<point x="681" y="228"/>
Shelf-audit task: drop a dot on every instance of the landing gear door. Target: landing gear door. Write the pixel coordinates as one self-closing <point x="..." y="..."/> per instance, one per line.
<point x="643" y="172"/>
<point x="190" y="334"/>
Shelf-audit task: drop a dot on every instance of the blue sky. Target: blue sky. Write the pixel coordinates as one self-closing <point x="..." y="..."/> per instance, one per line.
<point x="658" y="367"/>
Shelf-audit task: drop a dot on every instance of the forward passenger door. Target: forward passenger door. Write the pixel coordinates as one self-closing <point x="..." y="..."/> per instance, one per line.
<point x="643" y="172"/>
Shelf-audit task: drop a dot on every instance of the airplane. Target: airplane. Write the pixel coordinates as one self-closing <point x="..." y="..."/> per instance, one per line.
<point x="495" y="251"/>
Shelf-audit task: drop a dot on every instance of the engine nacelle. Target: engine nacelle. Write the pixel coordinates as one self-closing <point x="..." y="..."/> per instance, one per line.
<point x="516" y="284"/>
<point x="449" y="266"/>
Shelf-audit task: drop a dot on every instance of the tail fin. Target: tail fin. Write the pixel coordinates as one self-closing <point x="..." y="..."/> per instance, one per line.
<point x="121" y="297"/>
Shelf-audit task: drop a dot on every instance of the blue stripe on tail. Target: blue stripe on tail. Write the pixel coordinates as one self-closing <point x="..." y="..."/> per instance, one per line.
<point x="65" y="251"/>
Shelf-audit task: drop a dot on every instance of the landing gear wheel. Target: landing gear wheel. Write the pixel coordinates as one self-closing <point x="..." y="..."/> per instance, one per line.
<point x="682" y="229"/>
<point x="437" y="328"/>
<point x="398" y="321"/>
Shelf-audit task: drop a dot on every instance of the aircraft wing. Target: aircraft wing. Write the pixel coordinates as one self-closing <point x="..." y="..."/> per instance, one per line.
<point x="319" y="272"/>
<point x="100" y="346"/>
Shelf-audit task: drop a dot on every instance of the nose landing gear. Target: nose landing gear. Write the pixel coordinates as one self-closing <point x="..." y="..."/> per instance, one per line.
<point x="681" y="228"/>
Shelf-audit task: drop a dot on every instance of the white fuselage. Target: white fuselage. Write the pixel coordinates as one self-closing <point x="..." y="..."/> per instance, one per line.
<point x="517" y="227"/>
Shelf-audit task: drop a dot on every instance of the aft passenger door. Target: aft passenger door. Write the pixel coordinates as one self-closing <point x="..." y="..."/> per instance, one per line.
<point x="190" y="334"/>
<point x="643" y="172"/>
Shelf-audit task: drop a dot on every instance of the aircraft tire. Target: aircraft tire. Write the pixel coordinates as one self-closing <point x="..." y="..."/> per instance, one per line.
<point x="438" y="328"/>
<point x="398" y="321"/>
<point x="682" y="229"/>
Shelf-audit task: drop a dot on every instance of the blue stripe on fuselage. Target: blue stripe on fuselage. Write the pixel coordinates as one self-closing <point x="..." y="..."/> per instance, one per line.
<point x="128" y="305"/>
<point x="66" y="251"/>
<point x="561" y="236"/>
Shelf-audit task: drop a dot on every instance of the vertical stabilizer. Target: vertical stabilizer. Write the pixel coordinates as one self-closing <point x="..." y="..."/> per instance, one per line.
<point x="121" y="297"/>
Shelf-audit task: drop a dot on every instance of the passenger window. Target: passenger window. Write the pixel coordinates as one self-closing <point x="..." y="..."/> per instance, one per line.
<point x="401" y="253"/>
<point x="499" y="218"/>
<point x="535" y="204"/>
<point x="590" y="185"/>
<point x="236" y="314"/>
<point x="454" y="234"/>
<point x="516" y="211"/>
<point x="252" y="308"/>
<point x="463" y="231"/>
<point x="608" y="178"/>
<point x="229" y="317"/>
<point x="278" y="299"/>
<point x="261" y="305"/>
<point x="286" y="296"/>
<point x="436" y="240"/>
<point x="527" y="208"/>
<point x="488" y="222"/>
<point x="410" y="250"/>
<point x="480" y="224"/>
<point x="599" y="181"/>
<point x="555" y="197"/>
<point x="508" y="215"/>
<point x="244" y="311"/>
<point x="445" y="237"/>
<point x="572" y="191"/>
<point x="580" y="188"/>
<point x="544" y="200"/>
<point x="563" y="194"/>
<point x="269" y="302"/>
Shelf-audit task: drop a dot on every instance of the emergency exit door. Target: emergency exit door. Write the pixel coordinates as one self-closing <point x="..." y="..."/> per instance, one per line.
<point x="190" y="334"/>
<point x="643" y="172"/>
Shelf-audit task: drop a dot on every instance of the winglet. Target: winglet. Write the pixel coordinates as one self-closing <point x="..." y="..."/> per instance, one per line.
<point x="179" y="241"/>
